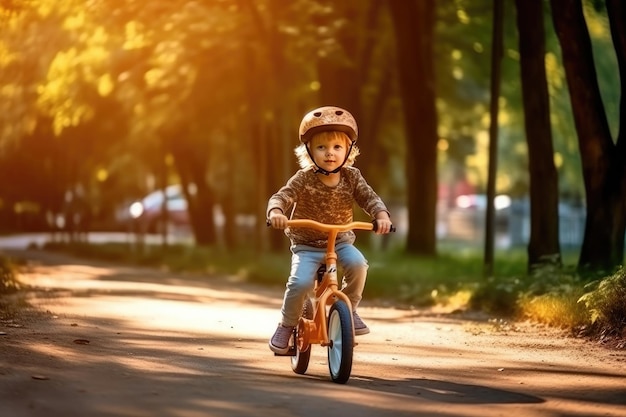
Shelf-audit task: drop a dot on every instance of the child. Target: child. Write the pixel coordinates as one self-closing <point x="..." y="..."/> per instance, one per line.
<point x="324" y="189"/>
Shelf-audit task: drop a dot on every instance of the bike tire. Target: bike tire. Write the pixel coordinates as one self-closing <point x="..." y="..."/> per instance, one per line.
<point x="341" y="338"/>
<point x="300" y="361"/>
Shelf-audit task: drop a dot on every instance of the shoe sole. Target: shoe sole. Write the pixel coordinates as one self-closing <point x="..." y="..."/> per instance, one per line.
<point x="360" y="332"/>
<point x="277" y="350"/>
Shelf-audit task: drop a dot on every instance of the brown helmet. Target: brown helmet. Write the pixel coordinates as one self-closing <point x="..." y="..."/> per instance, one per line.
<point x="328" y="118"/>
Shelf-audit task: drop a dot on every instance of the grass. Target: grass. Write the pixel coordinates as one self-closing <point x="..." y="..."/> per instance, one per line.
<point x="9" y="283"/>
<point x="555" y="309"/>
<point x="11" y="301"/>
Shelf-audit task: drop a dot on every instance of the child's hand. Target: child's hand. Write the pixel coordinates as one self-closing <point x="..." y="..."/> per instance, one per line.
<point x="383" y="226"/>
<point x="277" y="219"/>
<point x="383" y="223"/>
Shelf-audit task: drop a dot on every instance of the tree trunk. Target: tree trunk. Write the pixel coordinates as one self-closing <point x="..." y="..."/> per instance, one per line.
<point x="191" y="167"/>
<point x="269" y="142"/>
<point x="543" y="247"/>
<point x="602" y="159"/>
<point x="164" y="218"/>
<point x="414" y="22"/>
<point x="494" y="111"/>
<point x="617" y="18"/>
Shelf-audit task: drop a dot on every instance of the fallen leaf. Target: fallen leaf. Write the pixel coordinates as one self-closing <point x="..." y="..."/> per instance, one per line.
<point x="81" y="341"/>
<point x="40" y="377"/>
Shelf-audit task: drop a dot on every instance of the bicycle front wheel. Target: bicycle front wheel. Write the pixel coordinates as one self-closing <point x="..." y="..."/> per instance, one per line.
<point x="341" y="338"/>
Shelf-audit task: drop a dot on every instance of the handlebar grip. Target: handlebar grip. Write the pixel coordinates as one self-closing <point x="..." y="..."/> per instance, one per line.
<point x="393" y="228"/>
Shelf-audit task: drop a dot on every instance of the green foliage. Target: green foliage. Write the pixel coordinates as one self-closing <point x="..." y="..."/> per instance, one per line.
<point x="548" y="295"/>
<point x="559" y="297"/>
<point x="551" y="297"/>
<point x="8" y="278"/>
<point x="420" y="281"/>
<point x="556" y="309"/>
<point x="606" y="304"/>
<point x="88" y="90"/>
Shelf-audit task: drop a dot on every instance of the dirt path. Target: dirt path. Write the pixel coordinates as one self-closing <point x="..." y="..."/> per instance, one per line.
<point x="119" y="341"/>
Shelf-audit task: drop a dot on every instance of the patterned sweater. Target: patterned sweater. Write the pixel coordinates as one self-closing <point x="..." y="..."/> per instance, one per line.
<point x="316" y="201"/>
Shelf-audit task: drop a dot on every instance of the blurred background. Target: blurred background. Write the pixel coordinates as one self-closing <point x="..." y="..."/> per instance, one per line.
<point x="181" y="116"/>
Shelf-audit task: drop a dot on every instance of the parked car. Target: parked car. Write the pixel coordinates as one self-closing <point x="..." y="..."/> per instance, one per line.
<point x="147" y="216"/>
<point x="479" y="202"/>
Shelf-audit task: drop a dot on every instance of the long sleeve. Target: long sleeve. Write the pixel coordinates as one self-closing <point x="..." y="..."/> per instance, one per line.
<point x="309" y="198"/>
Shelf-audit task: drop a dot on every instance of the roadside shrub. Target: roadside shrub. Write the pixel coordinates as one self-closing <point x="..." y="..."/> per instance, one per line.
<point x="548" y="294"/>
<point x="559" y="308"/>
<point x="552" y="296"/>
<point x="8" y="278"/>
<point x="498" y="295"/>
<point x="606" y="305"/>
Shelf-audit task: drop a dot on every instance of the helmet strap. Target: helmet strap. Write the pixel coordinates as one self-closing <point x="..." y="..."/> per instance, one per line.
<point x="320" y="170"/>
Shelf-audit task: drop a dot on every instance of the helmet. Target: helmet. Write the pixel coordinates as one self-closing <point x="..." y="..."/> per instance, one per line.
<point x="328" y="118"/>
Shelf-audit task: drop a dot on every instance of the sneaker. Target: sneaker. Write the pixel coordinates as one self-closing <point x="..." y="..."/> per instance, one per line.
<point x="279" y="343"/>
<point x="359" y="327"/>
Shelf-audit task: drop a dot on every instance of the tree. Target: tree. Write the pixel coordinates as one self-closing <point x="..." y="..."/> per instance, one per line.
<point x="603" y="159"/>
<point x="543" y="246"/>
<point x="349" y="78"/>
<point x="494" y="111"/>
<point x="414" y="22"/>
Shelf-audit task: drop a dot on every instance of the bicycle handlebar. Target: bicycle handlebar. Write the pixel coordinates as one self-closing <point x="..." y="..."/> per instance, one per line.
<point x="323" y="227"/>
<point x="312" y="224"/>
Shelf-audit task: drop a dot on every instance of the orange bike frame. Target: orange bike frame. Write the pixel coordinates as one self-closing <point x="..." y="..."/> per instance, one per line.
<point x="327" y="291"/>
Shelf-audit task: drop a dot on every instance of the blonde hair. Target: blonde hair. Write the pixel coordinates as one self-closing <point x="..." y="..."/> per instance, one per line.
<point x="304" y="159"/>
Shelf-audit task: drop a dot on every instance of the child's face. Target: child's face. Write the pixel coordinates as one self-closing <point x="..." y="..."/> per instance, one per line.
<point x="329" y="150"/>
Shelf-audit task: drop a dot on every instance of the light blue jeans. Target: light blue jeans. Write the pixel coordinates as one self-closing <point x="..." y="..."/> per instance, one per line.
<point x="305" y="261"/>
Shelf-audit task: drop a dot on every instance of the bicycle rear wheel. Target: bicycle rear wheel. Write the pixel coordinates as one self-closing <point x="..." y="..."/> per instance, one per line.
<point x="300" y="361"/>
<point x="341" y="346"/>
